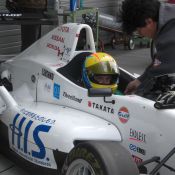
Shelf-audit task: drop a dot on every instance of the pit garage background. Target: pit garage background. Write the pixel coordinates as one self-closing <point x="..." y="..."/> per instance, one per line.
<point x="10" y="35"/>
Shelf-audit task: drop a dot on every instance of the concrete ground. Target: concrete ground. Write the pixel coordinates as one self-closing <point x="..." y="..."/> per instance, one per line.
<point x="134" y="61"/>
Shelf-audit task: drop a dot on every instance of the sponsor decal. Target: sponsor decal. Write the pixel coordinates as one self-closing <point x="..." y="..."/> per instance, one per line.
<point x="56" y="48"/>
<point x="137" y="149"/>
<point x="137" y="136"/>
<point x="56" y="91"/>
<point x="63" y="29"/>
<point x="21" y="128"/>
<point x="67" y="51"/>
<point x="47" y="87"/>
<point x="37" y="117"/>
<point x="137" y="160"/>
<point x="100" y="107"/>
<point x="47" y="74"/>
<point x="123" y="114"/>
<point x="72" y="97"/>
<point x="58" y="38"/>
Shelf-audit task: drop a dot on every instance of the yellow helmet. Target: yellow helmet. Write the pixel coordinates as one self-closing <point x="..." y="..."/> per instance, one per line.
<point x="100" y="65"/>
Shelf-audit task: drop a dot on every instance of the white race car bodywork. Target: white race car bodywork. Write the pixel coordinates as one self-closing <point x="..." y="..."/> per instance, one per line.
<point x="46" y="111"/>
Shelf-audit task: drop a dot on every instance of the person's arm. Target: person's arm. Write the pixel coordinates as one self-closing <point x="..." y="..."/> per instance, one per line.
<point x="164" y="62"/>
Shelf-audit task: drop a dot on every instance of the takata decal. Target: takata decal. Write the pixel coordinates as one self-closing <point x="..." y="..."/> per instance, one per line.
<point x="123" y="114"/>
<point x="137" y="160"/>
<point x="56" y="91"/>
<point x="47" y="74"/>
<point x="72" y="97"/>
<point x="137" y="136"/>
<point x="137" y="149"/>
<point x="100" y="107"/>
<point x="33" y="150"/>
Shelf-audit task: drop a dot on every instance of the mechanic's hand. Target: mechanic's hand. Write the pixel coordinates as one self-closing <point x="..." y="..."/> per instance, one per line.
<point x="165" y="100"/>
<point x="132" y="87"/>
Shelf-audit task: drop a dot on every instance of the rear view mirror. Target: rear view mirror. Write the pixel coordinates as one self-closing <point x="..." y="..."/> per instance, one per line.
<point x="99" y="92"/>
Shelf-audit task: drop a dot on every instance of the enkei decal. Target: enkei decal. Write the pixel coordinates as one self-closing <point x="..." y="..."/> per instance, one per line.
<point x="137" y="160"/>
<point x="72" y="97"/>
<point x="56" y="91"/>
<point x="137" y="136"/>
<point x="21" y="128"/>
<point x="123" y="115"/>
<point x="137" y="149"/>
<point x="47" y="74"/>
<point x="100" y="107"/>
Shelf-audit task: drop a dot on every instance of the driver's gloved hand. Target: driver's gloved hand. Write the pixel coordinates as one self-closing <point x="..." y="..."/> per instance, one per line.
<point x="165" y="100"/>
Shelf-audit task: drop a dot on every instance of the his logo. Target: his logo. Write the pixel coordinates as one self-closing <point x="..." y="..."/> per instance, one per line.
<point x="20" y="132"/>
<point x="123" y="114"/>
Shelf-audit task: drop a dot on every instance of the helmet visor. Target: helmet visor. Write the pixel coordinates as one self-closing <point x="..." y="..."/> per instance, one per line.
<point x="107" y="67"/>
<point x="104" y="79"/>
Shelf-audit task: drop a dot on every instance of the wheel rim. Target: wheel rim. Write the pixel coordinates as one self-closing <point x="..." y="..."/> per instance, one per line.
<point x="131" y="44"/>
<point x="80" y="167"/>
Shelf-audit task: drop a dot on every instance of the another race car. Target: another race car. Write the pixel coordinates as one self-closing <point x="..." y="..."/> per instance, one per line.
<point x="50" y="123"/>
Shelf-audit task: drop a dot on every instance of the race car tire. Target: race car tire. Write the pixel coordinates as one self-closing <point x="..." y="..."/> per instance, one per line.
<point x="131" y="43"/>
<point x="99" y="158"/>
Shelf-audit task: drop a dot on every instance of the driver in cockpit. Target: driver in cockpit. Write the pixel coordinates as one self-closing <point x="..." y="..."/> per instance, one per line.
<point x="100" y="70"/>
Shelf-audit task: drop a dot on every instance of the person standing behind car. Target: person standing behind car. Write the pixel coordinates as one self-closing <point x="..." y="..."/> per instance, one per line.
<point x="29" y="33"/>
<point x="155" y="20"/>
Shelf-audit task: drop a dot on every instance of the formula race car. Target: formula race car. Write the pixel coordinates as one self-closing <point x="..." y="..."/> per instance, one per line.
<point x="51" y="124"/>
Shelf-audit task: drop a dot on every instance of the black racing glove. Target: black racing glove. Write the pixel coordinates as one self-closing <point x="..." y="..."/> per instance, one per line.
<point x="165" y="100"/>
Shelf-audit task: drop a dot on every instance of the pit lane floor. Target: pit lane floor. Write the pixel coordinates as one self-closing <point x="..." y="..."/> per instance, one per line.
<point x="134" y="61"/>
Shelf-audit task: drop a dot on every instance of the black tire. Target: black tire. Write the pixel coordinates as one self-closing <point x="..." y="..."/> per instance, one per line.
<point x="131" y="44"/>
<point x="99" y="158"/>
